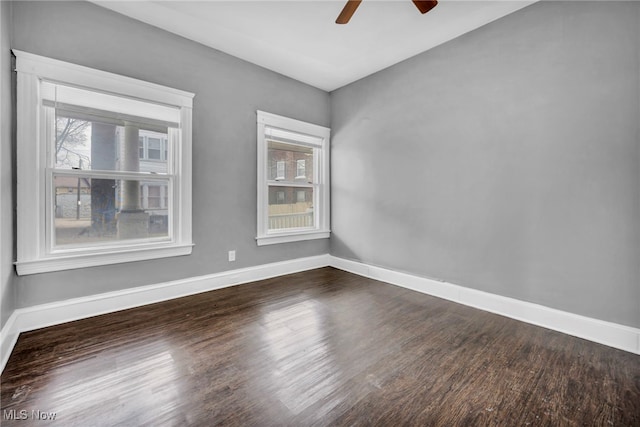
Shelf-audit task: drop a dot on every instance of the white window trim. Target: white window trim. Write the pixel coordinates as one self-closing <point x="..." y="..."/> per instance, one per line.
<point x="322" y="229"/>
<point x="32" y="256"/>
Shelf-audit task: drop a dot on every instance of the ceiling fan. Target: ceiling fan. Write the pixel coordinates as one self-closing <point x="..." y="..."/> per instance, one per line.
<point x="423" y="6"/>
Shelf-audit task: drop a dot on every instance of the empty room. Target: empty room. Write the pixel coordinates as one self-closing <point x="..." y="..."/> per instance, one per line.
<point x="320" y="213"/>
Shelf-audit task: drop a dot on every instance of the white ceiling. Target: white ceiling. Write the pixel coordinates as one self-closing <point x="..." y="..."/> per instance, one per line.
<point x="299" y="38"/>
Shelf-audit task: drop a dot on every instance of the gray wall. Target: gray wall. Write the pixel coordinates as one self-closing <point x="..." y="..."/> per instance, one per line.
<point x="507" y="160"/>
<point x="7" y="296"/>
<point x="228" y="92"/>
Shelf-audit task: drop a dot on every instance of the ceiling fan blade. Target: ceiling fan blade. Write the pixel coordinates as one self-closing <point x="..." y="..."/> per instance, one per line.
<point x="425" y="6"/>
<point x="347" y="11"/>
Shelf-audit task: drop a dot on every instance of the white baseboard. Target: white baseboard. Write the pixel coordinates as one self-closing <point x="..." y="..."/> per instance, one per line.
<point x="8" y="338"/>
<point x="607" y="333"/>
<point x="40" y="316"/>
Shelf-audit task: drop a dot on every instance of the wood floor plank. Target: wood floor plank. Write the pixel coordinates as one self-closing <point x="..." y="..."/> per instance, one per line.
<point x="317" y="348"/>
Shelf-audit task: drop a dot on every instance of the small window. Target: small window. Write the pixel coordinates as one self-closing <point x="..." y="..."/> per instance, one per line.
<point x="280" y="170"/>
<point x="154" y="149"/>
<point x="292" y="207"/>
<point x="154" y="197"/>
<point x="90" y="193"/>
<point x="301" y="166"/>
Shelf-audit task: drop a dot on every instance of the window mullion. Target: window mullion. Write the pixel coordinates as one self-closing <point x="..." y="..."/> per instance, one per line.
<point x="272" y="183"/>
<point x="97" y="174"/>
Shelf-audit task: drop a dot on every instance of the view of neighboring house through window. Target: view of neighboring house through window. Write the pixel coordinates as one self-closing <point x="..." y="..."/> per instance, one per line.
<point x="293" y="169"/>
<point x="292" y="210"/>
<point x="154" y="149"/>
<point x="153" y="146"/>
<point x="103" y="209"/>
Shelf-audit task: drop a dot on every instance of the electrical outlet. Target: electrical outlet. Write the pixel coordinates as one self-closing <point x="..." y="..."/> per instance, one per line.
<point x="232" y="256"/>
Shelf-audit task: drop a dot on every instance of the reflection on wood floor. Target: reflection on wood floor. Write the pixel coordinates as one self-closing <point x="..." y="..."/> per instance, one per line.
<point x="322" y="347"/>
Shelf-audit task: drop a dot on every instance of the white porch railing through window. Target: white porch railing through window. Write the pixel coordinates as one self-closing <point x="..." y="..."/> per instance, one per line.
<point x="291" y="220"/>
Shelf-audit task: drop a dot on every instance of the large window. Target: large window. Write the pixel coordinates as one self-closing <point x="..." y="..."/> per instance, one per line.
<point x="293" y="180"/>
<point x="103" y="167"/>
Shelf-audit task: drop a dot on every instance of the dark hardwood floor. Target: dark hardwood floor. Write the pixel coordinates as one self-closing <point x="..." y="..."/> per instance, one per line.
<point x="322" y="347"/>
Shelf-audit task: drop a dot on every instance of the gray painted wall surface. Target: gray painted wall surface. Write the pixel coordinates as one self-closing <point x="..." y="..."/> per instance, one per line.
<point x="7" y="304"/>
<point x="507" y="160"/>
<point x="228" y="92"/>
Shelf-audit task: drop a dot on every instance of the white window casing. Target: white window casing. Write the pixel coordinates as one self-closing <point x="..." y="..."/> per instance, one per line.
<point x="41" y="81"/>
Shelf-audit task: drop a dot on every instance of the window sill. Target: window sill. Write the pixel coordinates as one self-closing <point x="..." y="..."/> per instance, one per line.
<point x="292" y="237"/>
<point x="70" y="262"/>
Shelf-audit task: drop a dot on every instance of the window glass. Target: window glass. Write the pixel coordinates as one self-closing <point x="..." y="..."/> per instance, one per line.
<point x="96" y="145"/>
<point x="288" y="208"/>
<point x="89" y="211"/>
<point x="154" y="197"/>
<point x="283" y="157"/>
<point x="280" y="168"/>
<point x="156" y="145"/>
<point x="291" y="206"/>
<point x="154" y="149"/>
<point x="301" y="165"/>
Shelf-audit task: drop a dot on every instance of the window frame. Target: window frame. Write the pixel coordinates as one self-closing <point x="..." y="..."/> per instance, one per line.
<point x="33" y="196"/>
<point x="321" y="198"/>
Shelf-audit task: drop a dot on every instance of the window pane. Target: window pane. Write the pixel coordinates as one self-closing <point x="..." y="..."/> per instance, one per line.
<point x="280" y="170"/>
<point x="290" y="207"/>
<point x="289" y="162"/>
<point x="91" y="210"/>
<point x="154" y="148"/>
<point x="73" y="143"/>
<point x="154" y="196"/>
<point x="157" y="142"/>
<point x="95" y="145"/>
<point x="301" y="169"/>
